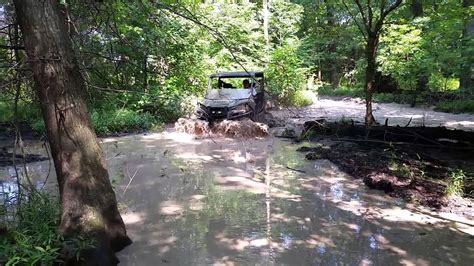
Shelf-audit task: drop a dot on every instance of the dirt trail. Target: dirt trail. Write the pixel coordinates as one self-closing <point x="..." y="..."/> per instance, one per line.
<point x="397" y="114"/>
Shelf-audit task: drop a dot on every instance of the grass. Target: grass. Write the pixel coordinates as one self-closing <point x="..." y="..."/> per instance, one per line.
<point x="114" y="121"/>
<point x="301" y="99"/>
<point x="32" y="236"/>
<point x="456" y="106"/>
<point x="456" y="183"/>
<point x="122" y="120"/>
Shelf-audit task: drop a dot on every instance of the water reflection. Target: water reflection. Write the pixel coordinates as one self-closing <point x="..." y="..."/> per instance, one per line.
<point x="221" y="201"/>
<point x="262" y="211"/>
<point x="8" y="192"/>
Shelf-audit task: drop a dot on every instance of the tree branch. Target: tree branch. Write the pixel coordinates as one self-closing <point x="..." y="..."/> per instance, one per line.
<point x="371" y="14"/>
<point x="385" y="13"/>
<point x="364" y="33"/>
<point x="12" y="47"/>
<point x="362" y="13"/>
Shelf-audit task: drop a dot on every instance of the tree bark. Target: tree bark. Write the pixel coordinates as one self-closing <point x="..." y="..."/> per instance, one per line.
<point x="467" y="68"/>
<point x="423" y="78"/>
<point x="332" y="46"/>
<point x="417" y="8"/>
<point x="265" y="11"/>
<point x="88" y="203"/>
<point x="369" y="88"/>
<point x="371" y="28"/>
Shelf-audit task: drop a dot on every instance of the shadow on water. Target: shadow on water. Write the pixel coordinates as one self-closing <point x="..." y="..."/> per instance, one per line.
<point x="227" y="201"/>
<point x="223" y="201"/>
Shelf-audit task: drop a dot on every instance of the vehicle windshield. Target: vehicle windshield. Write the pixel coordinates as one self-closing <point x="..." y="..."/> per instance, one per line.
<point x="232" y="83"/>
<point x="230" y="88"/>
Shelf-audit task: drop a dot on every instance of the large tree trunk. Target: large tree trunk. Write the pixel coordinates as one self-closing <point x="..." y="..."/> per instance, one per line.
<point x="369" y="88"/>
<point x="88" y="203"/>
<point x="467" y="68"/>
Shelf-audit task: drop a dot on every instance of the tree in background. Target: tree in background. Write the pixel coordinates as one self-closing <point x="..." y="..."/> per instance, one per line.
<point x="467" y="68"/>
<point x="372" y="17"/>
<point x="88" y="203"/>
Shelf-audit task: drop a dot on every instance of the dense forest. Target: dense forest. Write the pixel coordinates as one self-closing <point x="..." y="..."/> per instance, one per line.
<point x="71" y="69"/>
<point x="151" y="59"/>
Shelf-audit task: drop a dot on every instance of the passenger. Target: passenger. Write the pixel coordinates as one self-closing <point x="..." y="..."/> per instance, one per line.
<point x="246" y="84"/>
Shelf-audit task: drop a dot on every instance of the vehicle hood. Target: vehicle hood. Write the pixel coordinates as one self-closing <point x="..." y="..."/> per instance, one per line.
<point x="223" y="102"/>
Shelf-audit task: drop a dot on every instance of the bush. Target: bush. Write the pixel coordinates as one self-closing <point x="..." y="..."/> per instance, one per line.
<point x="285" y="75"/>
<point x="456" y="106"/>
<point x="301" y="98"/>
<point x="121" y="120"/>
<point x="456" y="183"/>
<point x="33" y="237"/>
<point x="341" y="91"/>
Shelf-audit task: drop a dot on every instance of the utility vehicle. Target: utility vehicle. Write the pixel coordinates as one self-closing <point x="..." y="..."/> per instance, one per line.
<point x="233" y="95"/>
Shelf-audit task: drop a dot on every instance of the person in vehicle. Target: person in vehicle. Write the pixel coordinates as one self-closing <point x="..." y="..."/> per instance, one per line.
<point x="246" y="84"/>
<point x="222" y="84"/>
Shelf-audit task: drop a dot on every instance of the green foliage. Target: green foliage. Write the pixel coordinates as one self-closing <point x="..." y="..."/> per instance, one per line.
<point x="121" y="120"/>
<point x="438" y="82"/>
<point x="301" y="99"/>
<point x="456" y="106"/>
<point x="284" y="75"/>
<point x="401" y="55"/>
<point x="151" y="60"/>
<point x="456" y="183"/>
<point x="284" y="22"/>
<point x="33" y="238"/>
<point x="348" y="91"/>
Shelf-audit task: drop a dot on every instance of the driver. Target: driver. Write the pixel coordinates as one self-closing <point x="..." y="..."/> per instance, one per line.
<point x="246" y="84"/>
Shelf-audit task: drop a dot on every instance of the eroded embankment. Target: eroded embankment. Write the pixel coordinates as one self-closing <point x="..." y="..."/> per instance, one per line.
<point x="422" y="165"/>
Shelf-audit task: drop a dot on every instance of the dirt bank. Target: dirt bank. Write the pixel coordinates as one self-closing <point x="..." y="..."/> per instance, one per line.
<point x="415" y="163"/>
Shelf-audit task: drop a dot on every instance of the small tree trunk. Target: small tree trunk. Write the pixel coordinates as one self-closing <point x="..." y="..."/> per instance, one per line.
<point x="370" y="78"/>
<point x="265" y="24"/>
<point x="417" y="8"/>
<point x="331" y="21"/>
<point x="88" y="203"/>
<point x="467" y="68"/>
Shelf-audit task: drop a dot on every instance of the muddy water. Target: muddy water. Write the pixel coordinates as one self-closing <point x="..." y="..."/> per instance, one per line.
<point x="222" y="201"/>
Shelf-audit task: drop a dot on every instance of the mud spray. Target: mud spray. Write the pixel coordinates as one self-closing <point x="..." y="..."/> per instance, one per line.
<point x="244" y="128"/>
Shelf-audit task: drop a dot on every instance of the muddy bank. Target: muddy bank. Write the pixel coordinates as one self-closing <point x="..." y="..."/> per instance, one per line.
<point x="415" y="171"/>
<point x="8" y="158"/>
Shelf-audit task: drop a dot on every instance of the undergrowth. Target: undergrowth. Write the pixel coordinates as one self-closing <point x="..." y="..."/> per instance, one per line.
<point x="31" y="234"/>
<point x="301" y="99"/>
<point x="456" y="106"/>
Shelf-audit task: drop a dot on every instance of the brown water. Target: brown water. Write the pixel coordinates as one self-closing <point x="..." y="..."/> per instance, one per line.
<point x="257" y="201"/>
<point x="223" y="201"/>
